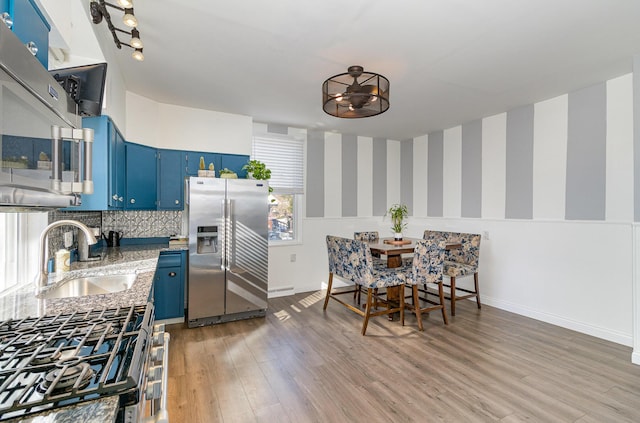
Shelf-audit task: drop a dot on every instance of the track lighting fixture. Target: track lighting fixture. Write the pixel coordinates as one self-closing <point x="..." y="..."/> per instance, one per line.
<point x="98" y="9"/>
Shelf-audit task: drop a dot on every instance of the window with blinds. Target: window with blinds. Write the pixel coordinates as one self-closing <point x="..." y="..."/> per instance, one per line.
<point x="285" y="158"/>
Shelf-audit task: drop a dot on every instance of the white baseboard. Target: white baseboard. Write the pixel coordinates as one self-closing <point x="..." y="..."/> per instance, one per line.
<point x="598" y="332"/>
<point x="281" y="291"/>
<point x="635" y="357"/>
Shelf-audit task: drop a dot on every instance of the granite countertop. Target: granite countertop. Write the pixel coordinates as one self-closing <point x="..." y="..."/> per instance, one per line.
<point x="101" y="410"/>
<point x="23" y="303"/>
<point x="138" y="259"/>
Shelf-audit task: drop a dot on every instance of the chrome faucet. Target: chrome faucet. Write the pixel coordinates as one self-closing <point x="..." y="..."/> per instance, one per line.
<point x="44" y="274"/>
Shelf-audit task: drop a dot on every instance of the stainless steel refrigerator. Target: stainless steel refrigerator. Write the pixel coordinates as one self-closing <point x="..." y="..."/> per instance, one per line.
<point x="228" y="250"/>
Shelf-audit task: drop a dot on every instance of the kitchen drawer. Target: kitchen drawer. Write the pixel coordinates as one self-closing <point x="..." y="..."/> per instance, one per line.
<point x="170" y="260"/>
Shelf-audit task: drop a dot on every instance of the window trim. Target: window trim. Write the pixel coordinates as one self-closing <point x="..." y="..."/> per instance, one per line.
<point x="297" y="213"/>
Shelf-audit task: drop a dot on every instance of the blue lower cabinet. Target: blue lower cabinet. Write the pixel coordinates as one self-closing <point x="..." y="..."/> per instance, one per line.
<point x="169" y="283"/>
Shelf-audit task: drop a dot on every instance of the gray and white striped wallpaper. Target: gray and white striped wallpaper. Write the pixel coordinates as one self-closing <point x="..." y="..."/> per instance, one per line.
<point x="566" y="158"/>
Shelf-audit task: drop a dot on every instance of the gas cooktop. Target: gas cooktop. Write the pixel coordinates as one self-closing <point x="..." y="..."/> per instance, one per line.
<point x="53" y="361"/>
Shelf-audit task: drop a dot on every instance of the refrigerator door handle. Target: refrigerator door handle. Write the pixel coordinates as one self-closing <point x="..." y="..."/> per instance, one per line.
<point x="228" y="232"/>
<point x="223" y="249"/>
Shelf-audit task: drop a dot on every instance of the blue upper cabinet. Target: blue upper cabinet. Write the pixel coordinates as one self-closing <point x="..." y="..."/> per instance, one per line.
<point x="193" y="162"/>
<point x="234" y="162"/>
<point x="171" y="171"/>
<point x="141" y="177"/>
<point x="30" y="26"/>
<point x="108" y="166"/>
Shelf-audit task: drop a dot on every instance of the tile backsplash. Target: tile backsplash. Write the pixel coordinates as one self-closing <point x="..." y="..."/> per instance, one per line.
<point x="132" y="224"/>
<point x="142" y="223"/>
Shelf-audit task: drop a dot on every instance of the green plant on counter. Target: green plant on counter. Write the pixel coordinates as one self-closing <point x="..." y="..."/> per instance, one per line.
<point x="398" y="212"/>
<point x="226" y="171"/>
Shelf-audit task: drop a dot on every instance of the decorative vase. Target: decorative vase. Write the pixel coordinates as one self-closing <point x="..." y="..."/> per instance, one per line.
<point x="398" y="236"/>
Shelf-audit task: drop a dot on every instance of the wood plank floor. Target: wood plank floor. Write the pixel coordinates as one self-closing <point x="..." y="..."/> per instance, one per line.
<point x="300" y="364"/>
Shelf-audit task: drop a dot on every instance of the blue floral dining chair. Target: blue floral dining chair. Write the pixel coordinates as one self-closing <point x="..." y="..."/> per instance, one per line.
<point x="351" y="261"/>
<point x="369" y="236"/>
<point x="460" y="262"/>
<point x="427" y="270"/>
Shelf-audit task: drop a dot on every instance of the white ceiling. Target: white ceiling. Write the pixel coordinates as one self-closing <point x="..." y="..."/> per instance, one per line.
<point x="448" y="61"/>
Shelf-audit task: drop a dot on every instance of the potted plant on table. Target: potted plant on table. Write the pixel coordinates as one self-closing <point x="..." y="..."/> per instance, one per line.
<point x="398" y="212"/>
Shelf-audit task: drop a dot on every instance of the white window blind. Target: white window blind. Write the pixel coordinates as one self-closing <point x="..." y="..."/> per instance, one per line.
<point x="285" y="158"/>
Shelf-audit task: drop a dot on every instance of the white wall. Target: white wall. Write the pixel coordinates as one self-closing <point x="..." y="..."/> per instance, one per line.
<point x="184" y="128"/>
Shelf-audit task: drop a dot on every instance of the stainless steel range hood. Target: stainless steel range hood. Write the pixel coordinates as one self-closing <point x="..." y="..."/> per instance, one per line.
<point x="45" y="156"/>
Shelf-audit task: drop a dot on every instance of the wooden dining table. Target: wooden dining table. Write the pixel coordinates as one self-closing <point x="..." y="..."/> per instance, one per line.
<point x="394" y="249"/>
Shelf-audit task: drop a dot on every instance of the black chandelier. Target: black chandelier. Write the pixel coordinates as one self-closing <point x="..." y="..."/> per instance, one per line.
<point x="99" y="11"/>
<point x="355" y="94"/>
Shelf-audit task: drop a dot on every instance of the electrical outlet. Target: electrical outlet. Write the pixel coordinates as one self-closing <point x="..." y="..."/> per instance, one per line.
<point x="68" y="239"/>
<point x="485" y="235"/>
<point x="292" y="258"/>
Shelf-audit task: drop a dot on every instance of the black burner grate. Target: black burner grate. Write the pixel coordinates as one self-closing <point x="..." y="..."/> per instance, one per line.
<point x="58" y="360"/>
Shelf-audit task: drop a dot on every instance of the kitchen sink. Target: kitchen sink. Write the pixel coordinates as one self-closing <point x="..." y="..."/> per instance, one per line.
<point x="91" y="285"/>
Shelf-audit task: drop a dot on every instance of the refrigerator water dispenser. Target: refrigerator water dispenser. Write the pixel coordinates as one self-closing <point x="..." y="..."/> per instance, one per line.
<point x="207" y="240"/>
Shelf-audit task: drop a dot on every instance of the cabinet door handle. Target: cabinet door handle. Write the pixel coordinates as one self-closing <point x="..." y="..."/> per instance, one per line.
<point x="172" y="274"/>
<point x="177" y="201"/>
<point x="133" y="200"/>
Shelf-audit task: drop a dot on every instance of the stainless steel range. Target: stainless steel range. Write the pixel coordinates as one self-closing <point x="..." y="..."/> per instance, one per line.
<point x="54" y="361"/>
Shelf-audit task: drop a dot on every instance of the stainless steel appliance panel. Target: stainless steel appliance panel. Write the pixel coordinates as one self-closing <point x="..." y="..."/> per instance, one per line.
<point x="247" y="256"/>
<point x="32" y="104"/>
<point x="206" y="291"/>
<point x="228" y="250"/>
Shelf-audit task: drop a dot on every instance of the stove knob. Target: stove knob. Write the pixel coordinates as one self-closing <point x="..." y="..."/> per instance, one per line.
<point x="154" y="373"/>
<point x="157" y="354"/>
<point x="153" y="391"/>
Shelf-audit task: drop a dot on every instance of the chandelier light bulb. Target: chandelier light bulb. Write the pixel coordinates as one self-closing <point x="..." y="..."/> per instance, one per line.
<point x="137" y="55"/>
<point x="128" y="18"/>
<point x="125" y="3"/>
<point x="136" y="42"/>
